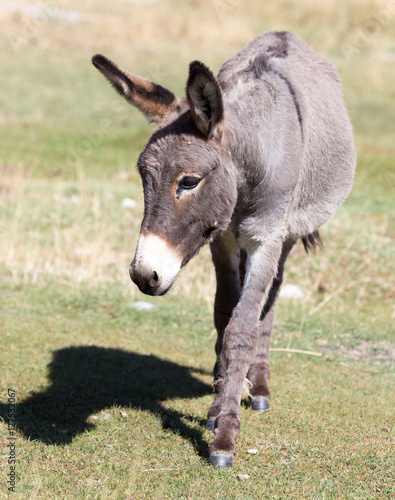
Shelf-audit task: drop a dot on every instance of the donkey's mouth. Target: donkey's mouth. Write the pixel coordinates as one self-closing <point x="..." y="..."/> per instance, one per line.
<point x="152" y="292"/>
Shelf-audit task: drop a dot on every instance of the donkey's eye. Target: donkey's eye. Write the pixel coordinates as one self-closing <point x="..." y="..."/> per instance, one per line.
<point x="188" y="182"/>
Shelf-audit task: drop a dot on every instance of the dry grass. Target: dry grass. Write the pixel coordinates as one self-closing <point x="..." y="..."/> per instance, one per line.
<point x="145" y="35"/>
<point x="78" y="233"/>
<point x="81" y="233"/>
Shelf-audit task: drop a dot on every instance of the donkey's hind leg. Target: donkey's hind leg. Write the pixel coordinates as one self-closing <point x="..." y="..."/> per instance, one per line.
<point x="259" y="372"/>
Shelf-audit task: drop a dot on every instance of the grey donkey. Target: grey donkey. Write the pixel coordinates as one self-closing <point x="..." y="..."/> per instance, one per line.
<point x="248" y="161"/>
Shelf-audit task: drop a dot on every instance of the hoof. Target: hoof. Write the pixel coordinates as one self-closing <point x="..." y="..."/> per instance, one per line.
<point x="259" y="403"/>
<point x="221" y="460"/>
<point x="210" y="423"/>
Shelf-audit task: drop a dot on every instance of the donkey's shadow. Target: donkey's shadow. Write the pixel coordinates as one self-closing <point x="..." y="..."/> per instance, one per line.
<point x="87" y="379"/>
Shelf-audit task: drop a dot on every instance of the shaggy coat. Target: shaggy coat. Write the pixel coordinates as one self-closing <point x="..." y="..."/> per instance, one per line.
<point x="248" y="161"/>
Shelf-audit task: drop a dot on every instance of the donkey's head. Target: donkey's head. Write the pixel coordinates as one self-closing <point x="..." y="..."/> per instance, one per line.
<point x="188" y="180"/>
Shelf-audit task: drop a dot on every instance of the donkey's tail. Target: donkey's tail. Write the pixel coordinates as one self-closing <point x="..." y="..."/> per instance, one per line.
<point x="312" y="241"/>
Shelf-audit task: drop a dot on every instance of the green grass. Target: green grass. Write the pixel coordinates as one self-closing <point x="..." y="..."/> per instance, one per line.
<point x="114" y="405"/>
<point x="111" y="402"/>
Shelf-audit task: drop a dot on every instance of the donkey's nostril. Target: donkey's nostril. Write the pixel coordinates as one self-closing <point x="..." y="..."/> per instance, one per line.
<point x="154" y="280"/>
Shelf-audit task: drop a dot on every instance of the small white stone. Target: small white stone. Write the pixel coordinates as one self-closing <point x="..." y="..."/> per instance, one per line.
<point x="74" y="198"/>
<point x="290" y="291"/>
<point x="129" y="203"/>
<point x="253" y="451"/>
<point x="243" y="477"/>
<point x="143" y="306"/>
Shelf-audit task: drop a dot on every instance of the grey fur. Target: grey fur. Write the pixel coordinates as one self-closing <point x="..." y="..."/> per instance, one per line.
<point x="270" y="146"/>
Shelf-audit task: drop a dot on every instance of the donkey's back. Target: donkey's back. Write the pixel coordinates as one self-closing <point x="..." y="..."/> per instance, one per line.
<point x="284" y="63"/>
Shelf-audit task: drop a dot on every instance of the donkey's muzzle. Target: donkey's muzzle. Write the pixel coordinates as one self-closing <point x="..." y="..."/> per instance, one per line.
<point x="155" y="264"/>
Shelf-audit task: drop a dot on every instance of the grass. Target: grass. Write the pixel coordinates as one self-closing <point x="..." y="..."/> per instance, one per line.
<point x="111" y="402"/>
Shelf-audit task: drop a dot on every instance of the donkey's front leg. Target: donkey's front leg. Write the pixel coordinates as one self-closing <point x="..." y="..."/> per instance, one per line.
<point x="239" y="347"/>
<point x="226" y="259"/>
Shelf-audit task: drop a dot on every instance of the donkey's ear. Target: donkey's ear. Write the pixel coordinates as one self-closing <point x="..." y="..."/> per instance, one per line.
<point x="150" y="98"/>
<point x="205" y="99"/>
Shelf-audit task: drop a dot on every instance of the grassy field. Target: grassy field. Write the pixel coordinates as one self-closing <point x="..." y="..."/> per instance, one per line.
<point x="111" y="401"/>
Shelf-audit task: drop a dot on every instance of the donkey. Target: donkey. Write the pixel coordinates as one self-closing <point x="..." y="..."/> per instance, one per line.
<point x="248" y="162"/>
